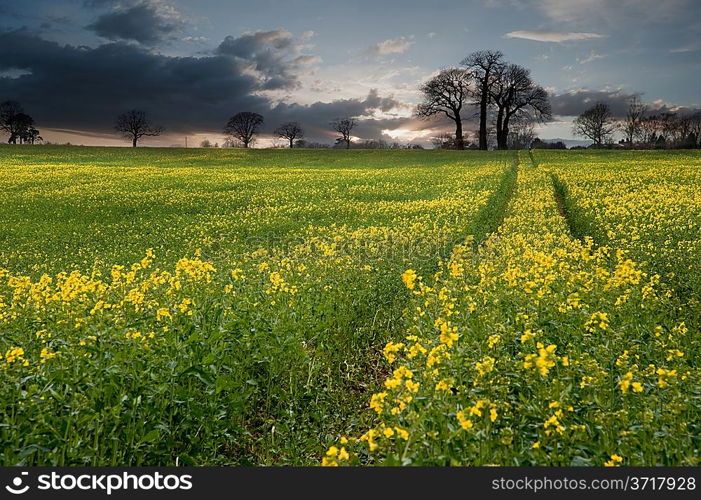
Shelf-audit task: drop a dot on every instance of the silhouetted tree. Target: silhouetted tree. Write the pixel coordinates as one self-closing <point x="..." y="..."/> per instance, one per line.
<point x="344" y="126"/>
<point x="632" y="126"/>
<point x="596" y="123"/>
<point x="18" y="124"/>
<point x="206" y="144"/>
<point x="517" y="97"/>
<point x="447" y="93"/>
<point x="243" y="126"/>
<point x="290" y="131"/>
<point x="484" y="66"/>
<point x="135" y="124"/>
<point x="30" y="135"/>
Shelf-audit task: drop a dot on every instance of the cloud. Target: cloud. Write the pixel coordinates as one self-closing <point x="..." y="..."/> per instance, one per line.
<point x="593" y="56"/>
<point x="390" y="46"/>
<point x="574" y="102"/>
<point x="84" y="88"/>
<point x="307" y="60"/>
<point x="605" y="12"/>
<point x="147" y="22"/>
<point x="689" y="47"/>
<point x="275" y="56"/>
<point x="552" y="36"/>
<point x="316" y="116"/>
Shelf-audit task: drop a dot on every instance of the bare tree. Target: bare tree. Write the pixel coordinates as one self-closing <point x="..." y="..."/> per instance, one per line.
<point x="243" y="126"/>
<point x="443" y="141"/>
<point x="649" y="127"/>
<point x="484" y="66"/>
<point x="670" y="127"/>
<point x="135" y="124"/>
<point x="290" y="131"/>
<point x="695" y="120"/>
<point x="517" y="98"/>
<point x="344" y="126"/>
<point x="447" y="93"/>
<point x="632" y="126"/>
<point x="596" y="123"/>
<point x="521" y="134"/>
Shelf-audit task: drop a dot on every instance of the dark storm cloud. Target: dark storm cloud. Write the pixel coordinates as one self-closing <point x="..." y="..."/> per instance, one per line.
<point x="317" y="116"/>
<point x="147" y="22"/>
<point x="99" y="3"/>
<point x="84" y="88"/>
<point x="574" y="102"/>
<point x="274" y="55"/>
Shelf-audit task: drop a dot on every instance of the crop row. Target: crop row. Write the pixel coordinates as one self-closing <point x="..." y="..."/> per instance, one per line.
<point x="536" y="348"/>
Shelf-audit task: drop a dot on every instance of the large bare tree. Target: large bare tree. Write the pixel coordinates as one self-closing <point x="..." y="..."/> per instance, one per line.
<point x="344" y="126"/>
<point x="517" y="97"/>
<point x="135" y="124"/>
<point x="290" y="131"/>
<point x="484" y="66"/>
<point x="596" y="123"/>
<point x="243" y="126"/>
<point x="447" y="93"/>
<point x="632" y="126"/>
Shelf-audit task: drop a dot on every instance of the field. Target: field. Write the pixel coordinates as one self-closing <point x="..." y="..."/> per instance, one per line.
<point x="162" y="306"/>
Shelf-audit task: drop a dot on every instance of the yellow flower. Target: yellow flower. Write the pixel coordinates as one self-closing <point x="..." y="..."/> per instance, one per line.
<point x="493" y="340"/>
<point x="402" y="433"/>
<point x="377" y="401"/>
<point x="615" y="461"/>
<point x="485" y="366"/>
<point x="527" y="335"/>
<point x="465" y="422"/>
<point x="412" y="386"/>
<point x="449" y="334"/>
<point x="46" y="354"/>
<point x="390" y="351"/>
<point x="544" y="361"/>
<point x="409" y="278"/>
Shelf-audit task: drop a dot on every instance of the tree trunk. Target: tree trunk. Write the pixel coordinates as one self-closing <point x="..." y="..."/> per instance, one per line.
<point x="500" y="126"/>
<point x="348" y="143"/>
<point x="459" y="141"/>
<point x="291" y="143"/>
<point x="503" y="139"/>
<point x="133" y="142"/>
<point x="483" y="113"/>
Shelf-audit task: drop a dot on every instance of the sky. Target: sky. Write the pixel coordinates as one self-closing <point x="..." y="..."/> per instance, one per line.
<point x="75" y="65"/>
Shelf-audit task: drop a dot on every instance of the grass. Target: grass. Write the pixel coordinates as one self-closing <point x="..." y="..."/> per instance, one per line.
<point x="162" y="306"/>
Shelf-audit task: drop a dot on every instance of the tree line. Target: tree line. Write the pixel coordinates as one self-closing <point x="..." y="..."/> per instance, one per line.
<point x="641" y="128"/>
<point x="240" y="129"/>
<point x="500" y="94"/>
